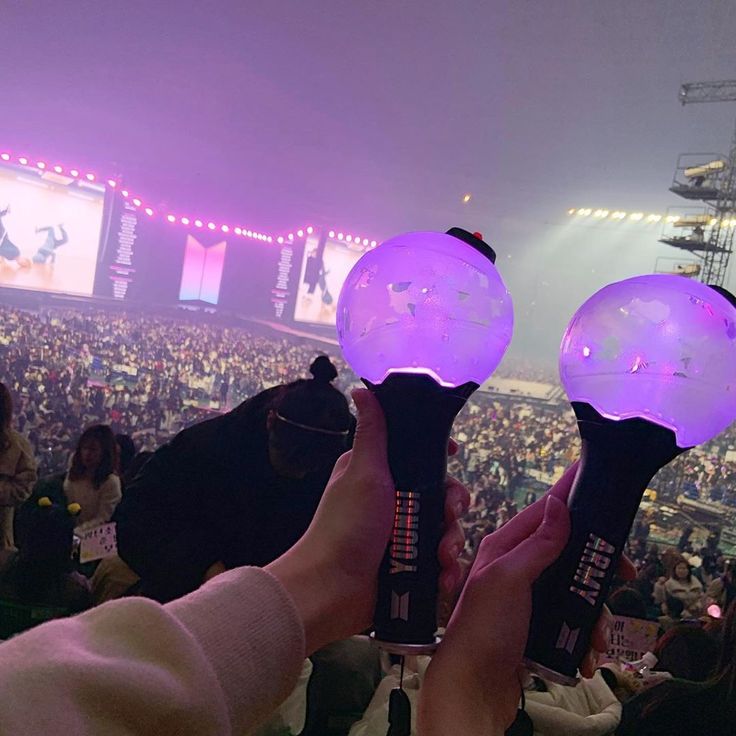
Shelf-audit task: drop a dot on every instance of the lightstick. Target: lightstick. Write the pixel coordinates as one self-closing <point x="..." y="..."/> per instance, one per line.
<point x="649" y="365"/>
<point x="423" y="319"/>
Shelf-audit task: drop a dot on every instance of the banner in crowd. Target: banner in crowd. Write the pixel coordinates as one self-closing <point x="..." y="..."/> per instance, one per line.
<point x="97" y="543"/>
<point x="631" y="639"/>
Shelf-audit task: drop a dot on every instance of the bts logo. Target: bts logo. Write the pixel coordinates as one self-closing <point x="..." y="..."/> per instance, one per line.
<point x="567" y="638"/>
<point x="399" y="606"/>
<point x="202" y="272"/>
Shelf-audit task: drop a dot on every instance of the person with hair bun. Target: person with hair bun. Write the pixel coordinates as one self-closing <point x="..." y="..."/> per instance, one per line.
<point x="17" y="469"/>
<point x="236" y="490"/>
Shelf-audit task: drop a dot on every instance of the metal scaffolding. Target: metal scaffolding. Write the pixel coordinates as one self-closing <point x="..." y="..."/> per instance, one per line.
<point x="723" y="91"/>
<point x="711" y="179"/>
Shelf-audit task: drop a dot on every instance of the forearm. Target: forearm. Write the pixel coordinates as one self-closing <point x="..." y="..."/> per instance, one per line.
<point x="310" y="589"/>
<point x="457" y="704"/>
<point x="217" y="661"/>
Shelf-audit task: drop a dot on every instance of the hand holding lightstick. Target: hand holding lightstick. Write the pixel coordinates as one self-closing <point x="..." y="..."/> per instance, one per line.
<point x="649" y="365"/>
<point x="424" y="319"/>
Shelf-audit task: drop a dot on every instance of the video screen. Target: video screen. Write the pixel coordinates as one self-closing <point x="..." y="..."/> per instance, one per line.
<point x="49" y="231"/>
<point x="323" y="272"/>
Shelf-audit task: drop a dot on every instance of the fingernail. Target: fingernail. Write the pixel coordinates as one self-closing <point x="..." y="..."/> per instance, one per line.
<point x="554" y="511"/>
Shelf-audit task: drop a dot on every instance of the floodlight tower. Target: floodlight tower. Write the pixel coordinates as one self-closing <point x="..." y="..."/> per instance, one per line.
<point x="710" y="179"/>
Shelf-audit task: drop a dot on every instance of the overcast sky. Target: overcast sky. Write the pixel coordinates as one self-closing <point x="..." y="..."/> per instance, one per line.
<point x="377" y="116"/>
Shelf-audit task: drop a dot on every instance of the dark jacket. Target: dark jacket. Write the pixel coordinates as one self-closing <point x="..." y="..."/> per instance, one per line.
<point x="211" y="495"/>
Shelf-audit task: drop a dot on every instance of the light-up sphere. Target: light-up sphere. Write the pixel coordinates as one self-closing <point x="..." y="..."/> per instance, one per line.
<point x="658" y="347"/>
<point x="424" y="302"/>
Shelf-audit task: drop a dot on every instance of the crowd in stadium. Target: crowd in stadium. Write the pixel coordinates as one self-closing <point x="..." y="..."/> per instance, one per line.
<point x="95" y="393"/>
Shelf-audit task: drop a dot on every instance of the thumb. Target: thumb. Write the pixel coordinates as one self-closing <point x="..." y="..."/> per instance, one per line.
<point x="369" y="445"/>
<point x="538" y="551"/>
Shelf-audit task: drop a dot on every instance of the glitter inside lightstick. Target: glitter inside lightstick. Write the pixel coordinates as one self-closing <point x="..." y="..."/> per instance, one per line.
<point x="658" y="347"/>
<point x="425" y="302"/>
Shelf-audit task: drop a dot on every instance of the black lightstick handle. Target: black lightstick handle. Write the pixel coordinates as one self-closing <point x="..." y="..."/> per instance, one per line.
<point x="618" y="461"/>
<point x="419" y="415"/>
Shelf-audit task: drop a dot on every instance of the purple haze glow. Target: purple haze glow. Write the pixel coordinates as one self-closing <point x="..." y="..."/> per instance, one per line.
<point x="376" y="118"/>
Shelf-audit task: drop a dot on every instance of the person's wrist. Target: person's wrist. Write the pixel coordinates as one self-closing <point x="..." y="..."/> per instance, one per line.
<point x="472" y="706"/>
<point x="306" y="579"/>
<point x="467" y="707"/>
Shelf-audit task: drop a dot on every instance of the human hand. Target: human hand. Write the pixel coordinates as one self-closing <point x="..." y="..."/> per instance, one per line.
<point x="332" y="572"/>
<point x="472" y="685"/>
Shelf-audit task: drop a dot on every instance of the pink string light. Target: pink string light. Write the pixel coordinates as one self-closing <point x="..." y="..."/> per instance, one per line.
<point x="137" y="202"/>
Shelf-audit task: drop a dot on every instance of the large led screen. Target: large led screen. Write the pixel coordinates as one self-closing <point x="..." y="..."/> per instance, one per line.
<point x="325" y="266"/>
<point x="49" y="231"/>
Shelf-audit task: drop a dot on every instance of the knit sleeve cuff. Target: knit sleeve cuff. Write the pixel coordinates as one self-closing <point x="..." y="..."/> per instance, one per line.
<point x="249" y="629"/>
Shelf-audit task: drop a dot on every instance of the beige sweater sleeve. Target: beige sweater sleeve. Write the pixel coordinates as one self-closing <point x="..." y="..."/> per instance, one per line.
<point x="217" y="661"/>
<point x="16" y="486"/>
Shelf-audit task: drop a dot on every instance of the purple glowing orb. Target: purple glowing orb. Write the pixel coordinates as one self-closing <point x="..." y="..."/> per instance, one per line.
<point x="427" y="303"/>
<point x="658" y="347"/>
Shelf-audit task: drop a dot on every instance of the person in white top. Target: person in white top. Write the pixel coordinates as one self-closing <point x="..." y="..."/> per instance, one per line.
<point x="92" y="480"/>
